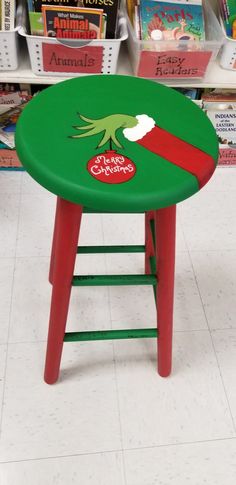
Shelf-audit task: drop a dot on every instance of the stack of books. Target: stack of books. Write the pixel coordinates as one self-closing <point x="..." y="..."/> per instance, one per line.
<point x="7" y="15"/>
<point x="181" y="20"/>
<point x="74" y="19"/>
<point x="12" y="101"/>
<point x="228" y="14"/>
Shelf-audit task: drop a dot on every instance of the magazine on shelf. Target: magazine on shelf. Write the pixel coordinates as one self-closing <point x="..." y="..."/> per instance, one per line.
<point x="72" y="23"/>
<point x="172" y="20"/>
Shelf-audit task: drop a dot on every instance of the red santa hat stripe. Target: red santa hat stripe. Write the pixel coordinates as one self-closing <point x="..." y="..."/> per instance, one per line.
<point x="180" y="153"/>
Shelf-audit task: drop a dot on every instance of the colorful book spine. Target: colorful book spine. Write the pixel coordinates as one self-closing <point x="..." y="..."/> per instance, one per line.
<point x="228" y="13"/>
<point x="172" y="20"/>
<point x="8" y="14"/>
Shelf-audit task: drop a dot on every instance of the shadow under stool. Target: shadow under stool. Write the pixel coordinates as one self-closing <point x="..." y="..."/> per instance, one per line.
<point x="115" y="144"/>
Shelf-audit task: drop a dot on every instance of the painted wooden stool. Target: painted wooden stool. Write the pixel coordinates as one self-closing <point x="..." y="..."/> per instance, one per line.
<point x="121" y="145"/>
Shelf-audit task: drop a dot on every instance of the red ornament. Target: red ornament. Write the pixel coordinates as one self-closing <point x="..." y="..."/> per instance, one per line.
<point x="111" y="167"/>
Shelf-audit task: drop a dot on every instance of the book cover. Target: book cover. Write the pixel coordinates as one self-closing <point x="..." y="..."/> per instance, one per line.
<point x="172" y="20"/>
<point x="228" y="13"/>
<point x="8" y="122"/>
<point x="30" y="5"/>
<point x="8" y="14"/>
<point x="36" y="5"/>
<point x="72" y="23"/>
<point x="111" y="9"/>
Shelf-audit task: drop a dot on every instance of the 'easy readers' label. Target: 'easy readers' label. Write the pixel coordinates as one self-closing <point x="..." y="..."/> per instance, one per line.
<point x="60" y="58"/>
<point x="173" y="64"/>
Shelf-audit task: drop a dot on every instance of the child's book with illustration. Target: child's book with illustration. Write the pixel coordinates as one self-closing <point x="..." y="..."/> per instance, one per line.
<point x="72" y="23"/>
<point x="110" y="8"/>
<point x="172" y="20"/>
<point x="35" y="12"/>
<point x="37" y="4"/>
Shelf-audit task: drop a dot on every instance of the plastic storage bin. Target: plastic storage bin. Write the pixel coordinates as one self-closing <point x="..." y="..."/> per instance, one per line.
<point x="63" y="57"/>
<point x="228" y="53"/>
<point x="176" y="59"/>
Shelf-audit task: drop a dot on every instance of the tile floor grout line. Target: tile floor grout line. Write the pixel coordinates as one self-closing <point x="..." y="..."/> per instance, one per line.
<point x="10" y="310"/>
<point x="213" y="345"/>
<point x="119" y="450"/>
<point x="115" y="371"/>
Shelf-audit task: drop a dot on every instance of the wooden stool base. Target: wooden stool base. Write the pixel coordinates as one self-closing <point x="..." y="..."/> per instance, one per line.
<point x="159" y="272"/>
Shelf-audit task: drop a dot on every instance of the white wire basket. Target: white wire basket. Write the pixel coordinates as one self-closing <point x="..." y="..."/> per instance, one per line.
<point x="9" y="48"/>
<point x="228" y="52"/>
<point x="63" y="57"/>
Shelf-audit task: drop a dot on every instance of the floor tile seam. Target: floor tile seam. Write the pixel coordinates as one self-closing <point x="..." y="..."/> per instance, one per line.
<point x="10" y="313"/>
<point x="213" y="347"/>
<point x="122" y="450"/>
<point x="57" y="457"/>
<point x="223" y="250"/>
<point x="115" y="369"/>
<point x="181" y="444"/>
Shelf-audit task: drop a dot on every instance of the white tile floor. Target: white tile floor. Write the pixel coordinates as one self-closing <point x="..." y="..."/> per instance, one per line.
<point x="111" y="420"/>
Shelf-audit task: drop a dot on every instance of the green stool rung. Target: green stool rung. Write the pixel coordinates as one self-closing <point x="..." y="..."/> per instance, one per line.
<point x="86" y="210"/>
<point x="114" y="280"/>
<point x="110" y="249"/>
<point x="110" y="334"/>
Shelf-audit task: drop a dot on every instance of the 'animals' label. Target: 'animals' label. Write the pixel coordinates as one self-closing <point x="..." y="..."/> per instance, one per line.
<point x="60" y="58"/>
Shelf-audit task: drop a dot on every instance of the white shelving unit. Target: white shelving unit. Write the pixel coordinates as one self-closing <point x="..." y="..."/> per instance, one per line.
<point x="216" y="77"/>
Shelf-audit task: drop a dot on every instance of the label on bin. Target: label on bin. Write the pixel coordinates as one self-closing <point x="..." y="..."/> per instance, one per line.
<point x="173" y="64"/>
<point x="60" y="58"/>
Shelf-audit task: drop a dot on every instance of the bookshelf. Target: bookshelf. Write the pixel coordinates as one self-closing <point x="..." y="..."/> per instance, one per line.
<point x="215" y="78"/>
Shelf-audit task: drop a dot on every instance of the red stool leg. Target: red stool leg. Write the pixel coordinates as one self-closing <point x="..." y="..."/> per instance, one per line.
<point x="149" y="248"/>
<point x="54" y="243"/>
<point x="65" y="248"/>
<point x="165" y="221"/>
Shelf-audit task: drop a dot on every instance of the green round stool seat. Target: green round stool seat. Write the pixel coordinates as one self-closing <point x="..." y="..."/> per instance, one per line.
<point x="116" y="143"/>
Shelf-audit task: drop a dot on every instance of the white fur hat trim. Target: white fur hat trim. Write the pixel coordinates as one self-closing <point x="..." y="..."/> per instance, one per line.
<point x="145" y="124"/>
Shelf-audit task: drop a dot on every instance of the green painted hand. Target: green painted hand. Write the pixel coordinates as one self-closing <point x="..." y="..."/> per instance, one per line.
<point x="108" y="126"/>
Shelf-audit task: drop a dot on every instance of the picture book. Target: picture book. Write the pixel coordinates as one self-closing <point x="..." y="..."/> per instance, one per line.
<point x="36" y="5"/>
<point x="228" y="14"/>
<point x="8" y="125"/>
<point x="72" y="23"/>
<point x="111" y="9"/>
<point x="172" y="20"/>
<point x="35" y="12"/>
<point x="8" y="14"/>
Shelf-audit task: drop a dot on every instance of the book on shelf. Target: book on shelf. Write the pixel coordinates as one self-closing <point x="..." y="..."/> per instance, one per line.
<point x="179" y="20"/>
<point x="7" y="14"/>
<point x="111" y="9"/>
<point x="108" y="8"/>
<point x="228" y="14"/>
<point x="73" y="23"/>
<point x="220" y="107"/>
<point x="8" y="121"/>
<point x="35" y="12"/>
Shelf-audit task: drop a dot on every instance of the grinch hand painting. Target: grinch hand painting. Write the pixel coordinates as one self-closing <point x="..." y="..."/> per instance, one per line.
<point x="114" y="168"/>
